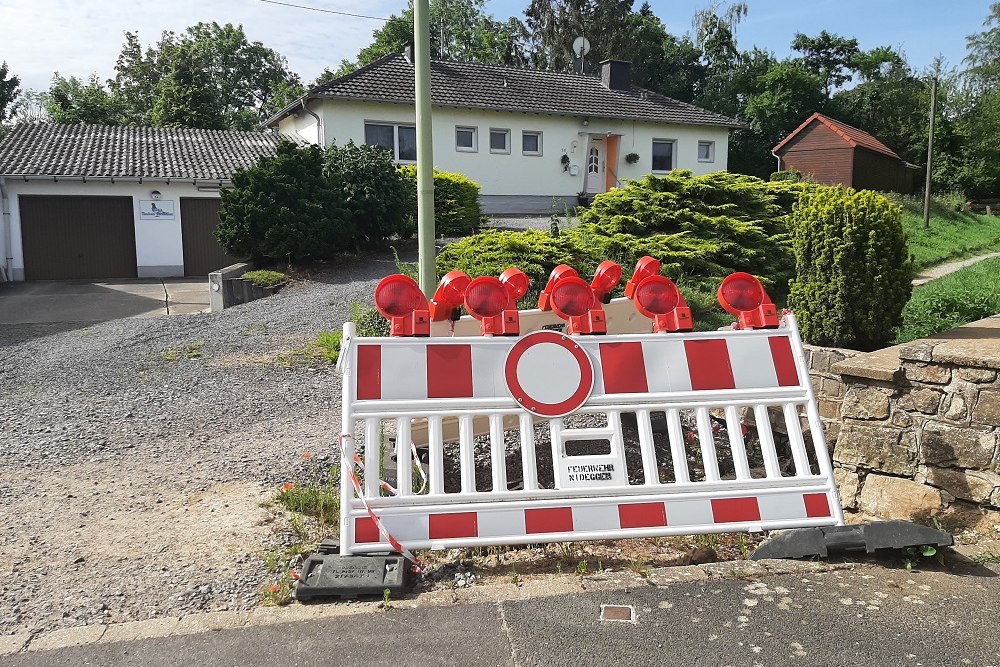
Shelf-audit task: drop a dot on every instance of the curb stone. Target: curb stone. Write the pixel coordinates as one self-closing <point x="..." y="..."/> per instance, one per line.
<point x="532" y="587"/>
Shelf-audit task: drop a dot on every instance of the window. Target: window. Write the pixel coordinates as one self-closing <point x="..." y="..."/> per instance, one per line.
<point x="531" y="143"/>
<point x="663" y="154"/>
<point x="499" y="141"/>
<point x="466" y="139"/>
<point x="400" y="139"/>
<point x="706" y="151"/>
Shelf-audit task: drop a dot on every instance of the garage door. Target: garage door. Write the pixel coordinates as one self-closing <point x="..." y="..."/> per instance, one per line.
<point x="202" y="252"/>
<point x="69" y="238"/>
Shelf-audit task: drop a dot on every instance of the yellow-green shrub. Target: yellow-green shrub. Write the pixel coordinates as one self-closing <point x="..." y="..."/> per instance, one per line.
<point x="852" y="271"/>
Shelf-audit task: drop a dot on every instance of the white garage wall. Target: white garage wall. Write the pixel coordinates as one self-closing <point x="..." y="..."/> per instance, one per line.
<point x="158" y="248"/>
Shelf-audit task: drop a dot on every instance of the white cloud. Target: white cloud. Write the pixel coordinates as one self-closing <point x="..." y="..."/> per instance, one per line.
<point x="39" y="37"/>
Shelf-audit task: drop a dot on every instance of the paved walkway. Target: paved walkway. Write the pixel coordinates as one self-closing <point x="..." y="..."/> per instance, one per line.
<point x="868" y="614"/>
<point x="942" y="270"/>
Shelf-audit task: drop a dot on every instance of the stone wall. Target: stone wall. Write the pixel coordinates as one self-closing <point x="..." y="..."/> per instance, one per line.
<point x="919" y="430"/>
<point x="828" y="386"/>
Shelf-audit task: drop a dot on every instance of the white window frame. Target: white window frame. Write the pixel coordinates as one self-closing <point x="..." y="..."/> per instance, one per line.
<point x="506" y="133"/>
<point x="531" y="133"/>
<point x="395" y="137"/>
<point x="673" y="155"/>
<point x="711" y="151"/>
<point x="475" y="138"/>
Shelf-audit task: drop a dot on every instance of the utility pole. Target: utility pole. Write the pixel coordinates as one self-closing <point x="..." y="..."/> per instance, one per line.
<point x="425" y="155"/>
<point x="930" y="155"/>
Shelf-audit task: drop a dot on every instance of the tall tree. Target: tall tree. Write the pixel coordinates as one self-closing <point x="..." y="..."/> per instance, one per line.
<point x="827" y="55"/>
<point x="554" y="24"/>
<point x="789" y="93"/>
<point x="74" y="101"/>
<point x="660" y="61"/>
<point x="186" y="96"/>
<point x="10" y="90"/>
<point x="243" y="77"/>
<point x="983" y="59"/>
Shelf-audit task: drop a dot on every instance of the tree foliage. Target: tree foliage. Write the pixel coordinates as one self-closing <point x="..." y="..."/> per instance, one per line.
<point x="10" y="90"/>
<point x="74" y="101"/>
<point x="828" y="56"/>
<point x="555" y="24"/>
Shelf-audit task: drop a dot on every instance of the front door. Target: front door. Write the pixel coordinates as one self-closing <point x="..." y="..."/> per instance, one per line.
<point x="595" y="166"/>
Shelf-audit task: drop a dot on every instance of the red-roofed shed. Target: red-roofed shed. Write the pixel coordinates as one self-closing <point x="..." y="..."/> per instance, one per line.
<point x="832" y="152"/>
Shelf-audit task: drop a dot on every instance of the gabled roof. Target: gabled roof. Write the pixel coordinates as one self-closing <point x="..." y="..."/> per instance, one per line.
<point x="499" y="88"/>
<point x="49" y="149"/>
<point x="852" y="135"/>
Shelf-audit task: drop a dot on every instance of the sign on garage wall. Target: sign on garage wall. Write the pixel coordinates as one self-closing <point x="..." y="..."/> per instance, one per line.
<point x="150" y="209"/>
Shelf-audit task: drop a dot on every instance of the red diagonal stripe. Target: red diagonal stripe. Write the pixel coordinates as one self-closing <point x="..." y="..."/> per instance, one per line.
<point x="548" y="520"/>
<point x="449" y="371"/>
<point x="642" y="515"/>
<point x="369" y="372"/>
<point x="784" y="361"/>
<point x="708" y="364"/>
<point x="453" y="524"/>
<point x="623" y="368"/>
<point x="733" y="510"/>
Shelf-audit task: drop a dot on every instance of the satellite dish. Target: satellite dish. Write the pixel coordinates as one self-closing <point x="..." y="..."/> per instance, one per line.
<point x="581" y="47"/>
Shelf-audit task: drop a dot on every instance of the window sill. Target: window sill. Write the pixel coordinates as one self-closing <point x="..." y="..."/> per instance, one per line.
<point x="531" y="154"/>
<point x="499" y="152"/>
<point x="466" y="150"/>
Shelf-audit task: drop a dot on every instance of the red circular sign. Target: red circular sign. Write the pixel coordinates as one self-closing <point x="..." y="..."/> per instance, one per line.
<point x="549" y="374"/>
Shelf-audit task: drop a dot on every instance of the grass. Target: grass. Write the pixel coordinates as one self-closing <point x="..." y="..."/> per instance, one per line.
<point x="320" y="501"/>
<point x="953" y="234"/>
<point x="186" y="351"/>
<point x="959" y="298"/>
<point x="265" y="278"/>
<point x="324" y="349"/>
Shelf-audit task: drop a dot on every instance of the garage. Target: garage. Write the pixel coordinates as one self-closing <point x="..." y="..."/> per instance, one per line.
<point x="77" y="237"/>
<point x="202" y="252"/>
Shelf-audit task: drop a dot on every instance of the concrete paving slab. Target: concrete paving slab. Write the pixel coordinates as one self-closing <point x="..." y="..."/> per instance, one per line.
<point x="67" y="637"/>
<point x="13" y="643"/>
<point x="152" y="628"/>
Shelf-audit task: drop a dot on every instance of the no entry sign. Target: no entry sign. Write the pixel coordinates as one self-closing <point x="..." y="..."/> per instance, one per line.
<point x="549" y="374"/>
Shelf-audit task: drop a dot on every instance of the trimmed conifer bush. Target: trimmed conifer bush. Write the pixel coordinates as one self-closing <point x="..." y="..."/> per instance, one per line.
<point x="456" y="201"/>
<point x="852" y="271"/>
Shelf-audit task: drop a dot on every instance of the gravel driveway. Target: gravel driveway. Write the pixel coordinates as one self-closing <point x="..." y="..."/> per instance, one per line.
<point x="136" y="453"/>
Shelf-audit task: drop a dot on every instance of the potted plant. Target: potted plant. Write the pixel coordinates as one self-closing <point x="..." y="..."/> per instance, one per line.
<point x="261" y="283"/>
<point x="564" y="161"/>
<point x="632" y="158"/>
<point x="583" y="198"/>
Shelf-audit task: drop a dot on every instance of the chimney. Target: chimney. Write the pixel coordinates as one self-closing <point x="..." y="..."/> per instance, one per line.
<point x="616" y="74"/>
<point x="408" y="52"/>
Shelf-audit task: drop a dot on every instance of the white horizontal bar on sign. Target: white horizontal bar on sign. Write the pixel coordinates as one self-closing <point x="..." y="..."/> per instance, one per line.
<point x="553" y="497"/>
<point x="659" y="531"/>
<point x="688" y="400"/>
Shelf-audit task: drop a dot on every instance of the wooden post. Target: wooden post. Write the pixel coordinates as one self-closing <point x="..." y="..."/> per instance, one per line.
<point x="930" y="156"/>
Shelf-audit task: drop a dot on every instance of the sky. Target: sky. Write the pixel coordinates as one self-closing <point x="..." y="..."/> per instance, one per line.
<point x="80" y="37"/>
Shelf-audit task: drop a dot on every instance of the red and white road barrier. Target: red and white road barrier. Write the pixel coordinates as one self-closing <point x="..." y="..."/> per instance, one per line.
<point x="391" y="384"/>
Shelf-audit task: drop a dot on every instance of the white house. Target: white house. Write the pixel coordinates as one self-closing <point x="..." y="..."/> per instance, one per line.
<point x="95" y="202"/>
<point x="528" y="137"/>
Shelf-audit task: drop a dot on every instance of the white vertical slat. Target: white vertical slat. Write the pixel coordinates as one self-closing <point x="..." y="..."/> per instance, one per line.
<point x="678" y="448"/>
<point x="404" y="459"/>
<point x="529" y="470"/>
<point x="647" y="447"/>
<point x="794" y="427"/>
<point x="435" y="453"/>
<point x="706" y="440"/>
<point x="467" y="454"/>
<point x="763" y="421"/>
<point x="735" y="430"/>
<point x="373" y="455"/>
<point x="498" y="453"/>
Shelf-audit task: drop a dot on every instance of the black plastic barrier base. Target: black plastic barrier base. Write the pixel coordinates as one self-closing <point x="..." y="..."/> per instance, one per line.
<point x="806" y="542"/>
<point x="326" y="575"/>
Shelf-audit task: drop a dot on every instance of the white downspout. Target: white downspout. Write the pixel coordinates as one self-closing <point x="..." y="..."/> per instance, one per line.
<point x="7" y="269"/>
<point x="778" y="157"/>
<point x="320" y="131"/>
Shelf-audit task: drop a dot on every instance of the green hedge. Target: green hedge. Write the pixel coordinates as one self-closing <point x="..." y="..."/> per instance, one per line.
<point x="456" y="201"/>
<point x="852" y="269"/>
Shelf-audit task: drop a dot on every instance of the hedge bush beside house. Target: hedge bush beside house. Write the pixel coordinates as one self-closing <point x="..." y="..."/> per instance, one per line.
<point x="852" y="270"/>
<point x="456" y="201"/>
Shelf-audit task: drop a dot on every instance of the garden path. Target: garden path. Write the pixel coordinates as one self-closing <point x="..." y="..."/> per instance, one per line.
<point x="942" y="270"/>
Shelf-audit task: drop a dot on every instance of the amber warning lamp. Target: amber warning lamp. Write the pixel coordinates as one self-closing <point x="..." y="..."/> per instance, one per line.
<point x="658" y="298"/>
<point x="399" y="299"/>
<point x="742" y="295"/>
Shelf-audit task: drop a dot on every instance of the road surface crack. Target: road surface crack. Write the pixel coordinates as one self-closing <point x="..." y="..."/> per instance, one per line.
<point x="506" y="631"/>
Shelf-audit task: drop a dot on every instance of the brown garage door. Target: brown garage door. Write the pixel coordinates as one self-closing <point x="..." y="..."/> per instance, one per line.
<point x="69" y="238"/>
<point x="202" y="252"/>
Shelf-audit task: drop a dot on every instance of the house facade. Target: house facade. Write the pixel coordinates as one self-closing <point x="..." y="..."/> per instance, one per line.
<point x="832" y="153"/>
<point x="94" y="202"/>
<point x="531" y="139"/>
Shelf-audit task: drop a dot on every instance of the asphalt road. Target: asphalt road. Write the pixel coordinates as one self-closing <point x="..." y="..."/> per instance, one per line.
<point x="867" y="616"/>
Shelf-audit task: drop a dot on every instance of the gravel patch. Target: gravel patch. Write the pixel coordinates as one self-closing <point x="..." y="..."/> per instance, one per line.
<point x="136" y="453"/>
